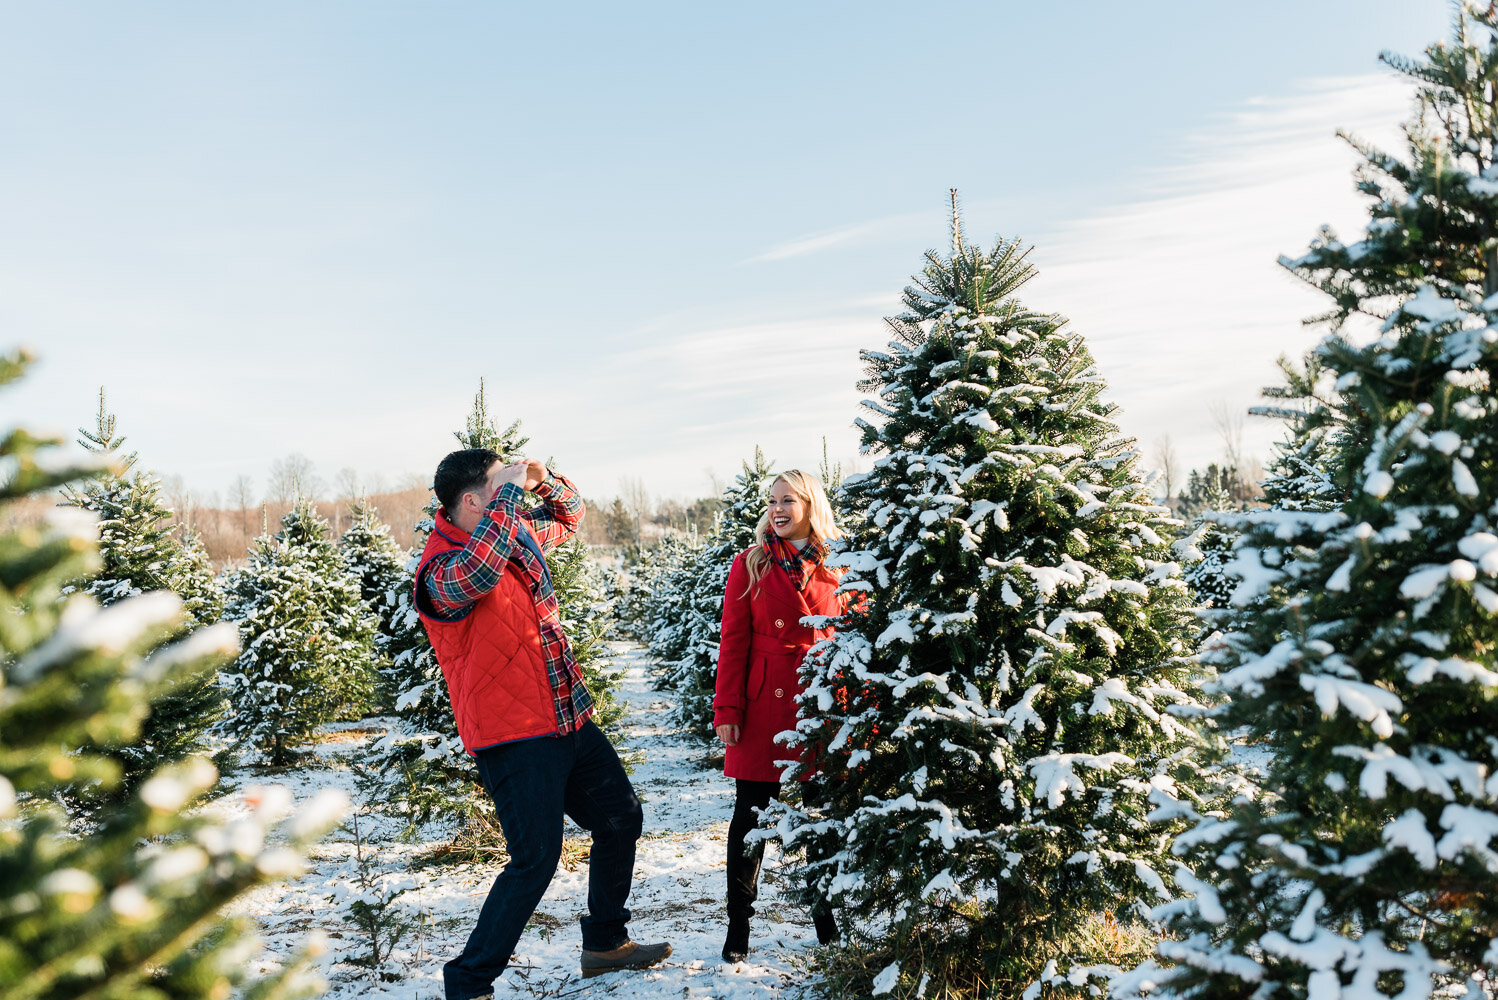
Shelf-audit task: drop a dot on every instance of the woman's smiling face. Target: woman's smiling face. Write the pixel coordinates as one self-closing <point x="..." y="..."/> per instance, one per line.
<point x="790" y="516"/>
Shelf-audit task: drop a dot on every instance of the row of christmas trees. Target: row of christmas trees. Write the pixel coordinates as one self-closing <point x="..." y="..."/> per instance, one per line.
<point x="1026" y="761"/>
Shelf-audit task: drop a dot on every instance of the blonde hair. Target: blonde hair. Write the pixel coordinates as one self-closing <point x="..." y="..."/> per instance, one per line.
<point x="819" y="512"/>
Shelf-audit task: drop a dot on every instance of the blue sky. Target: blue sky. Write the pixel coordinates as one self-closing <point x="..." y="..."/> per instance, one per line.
<point x="660" y="232"/>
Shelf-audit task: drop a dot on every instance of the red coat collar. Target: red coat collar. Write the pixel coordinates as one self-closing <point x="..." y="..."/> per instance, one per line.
<point x="777" y="589"/>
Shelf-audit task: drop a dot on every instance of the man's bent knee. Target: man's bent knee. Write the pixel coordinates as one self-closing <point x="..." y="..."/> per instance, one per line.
<point x="630" y="821"/>
<point x="534" y="854"/>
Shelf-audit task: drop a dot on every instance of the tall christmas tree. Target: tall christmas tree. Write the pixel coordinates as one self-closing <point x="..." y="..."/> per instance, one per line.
<point x="1367" y="865"/>
<point x="308" y="639"/>
<point x="427" y="772"/>
<point x="142" y="550"/>
<point x="1305" y="473"/>
<point x="133" y="910"/>
<point x="1206" y="574"/>
<point x="1321" y="425"/>
<point x="686" y="638"/>
<point x="987" y="739"/>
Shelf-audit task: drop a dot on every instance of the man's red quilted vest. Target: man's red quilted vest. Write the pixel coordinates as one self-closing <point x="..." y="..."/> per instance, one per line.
<point x="492" y="659"/>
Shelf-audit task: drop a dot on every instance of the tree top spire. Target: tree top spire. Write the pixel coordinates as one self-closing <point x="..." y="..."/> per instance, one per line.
<point x="103" y="440"/>
<point x="956" y="226"/>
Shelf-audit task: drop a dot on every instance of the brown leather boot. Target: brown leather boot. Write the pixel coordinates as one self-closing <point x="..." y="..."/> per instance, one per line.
<point x="629" y="955"/>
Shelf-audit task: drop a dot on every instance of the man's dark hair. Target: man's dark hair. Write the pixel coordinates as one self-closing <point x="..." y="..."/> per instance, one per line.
<point x="465" y="471"/>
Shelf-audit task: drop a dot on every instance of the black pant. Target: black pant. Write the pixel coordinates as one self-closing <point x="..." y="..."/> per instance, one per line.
<point x="533" y="783"/>
<point x="743" y="867"/>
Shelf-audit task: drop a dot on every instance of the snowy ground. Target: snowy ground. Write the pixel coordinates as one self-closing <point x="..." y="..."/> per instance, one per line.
<point x="678" y="889"/>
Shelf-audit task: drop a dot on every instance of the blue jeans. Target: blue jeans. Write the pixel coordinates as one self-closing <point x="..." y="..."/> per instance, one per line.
<point x="533" y="783"/>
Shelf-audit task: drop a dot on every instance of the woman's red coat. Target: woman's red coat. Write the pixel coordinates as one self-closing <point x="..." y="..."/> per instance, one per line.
<point x="759" y="658"/>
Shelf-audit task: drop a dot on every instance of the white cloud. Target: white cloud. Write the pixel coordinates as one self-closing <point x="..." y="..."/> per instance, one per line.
<point x="888" y="227"/>
<point x="1179" y="293"/>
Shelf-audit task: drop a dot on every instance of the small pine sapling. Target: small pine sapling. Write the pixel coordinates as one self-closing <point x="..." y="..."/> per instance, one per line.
<point x="370" y="899"/>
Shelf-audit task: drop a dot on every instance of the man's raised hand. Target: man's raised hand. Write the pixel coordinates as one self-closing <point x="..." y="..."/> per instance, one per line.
<point x="515" y="472"/>
<point x="535" y="473"/>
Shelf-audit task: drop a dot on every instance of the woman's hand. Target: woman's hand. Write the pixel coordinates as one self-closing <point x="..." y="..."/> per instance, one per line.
<point x="728" y="734"/>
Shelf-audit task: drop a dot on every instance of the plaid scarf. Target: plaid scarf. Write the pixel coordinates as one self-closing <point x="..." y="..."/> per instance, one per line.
<point x="799" y="564"/>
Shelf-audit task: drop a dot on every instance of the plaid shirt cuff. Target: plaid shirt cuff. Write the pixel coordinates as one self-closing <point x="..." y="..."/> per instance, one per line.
<point x="457" y="579"/>
<point x="507" y="497"/>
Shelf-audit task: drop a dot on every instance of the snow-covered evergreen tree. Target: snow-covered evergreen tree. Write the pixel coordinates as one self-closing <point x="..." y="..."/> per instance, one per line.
<point x="380" y="566"/>
<point x="990" y="735"/>
<point x="587" y="615"/>
<point x="643" y="571"/>
<point x="141" y="550"/>
<point x="1304" y="474"/>
<point x="374" y="559"/>
<point x="134" y="909"/>
<point x="658" y="582"/>
<point x="1367" y="867"/>
<point x="308" y="639"/>
<point x="1321" y="425"/>
<point x="1206" y="574"/>
<point x="195" y="581"/>
<point x="664" y="578"/>
<point x="685" y="641"/>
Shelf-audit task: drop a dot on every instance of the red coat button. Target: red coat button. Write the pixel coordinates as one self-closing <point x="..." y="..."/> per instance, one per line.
<point x="780" y="692"/>
<point x="780" y="623"/>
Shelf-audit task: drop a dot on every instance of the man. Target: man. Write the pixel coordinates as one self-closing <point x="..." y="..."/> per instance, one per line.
<point x="522" y="710"/>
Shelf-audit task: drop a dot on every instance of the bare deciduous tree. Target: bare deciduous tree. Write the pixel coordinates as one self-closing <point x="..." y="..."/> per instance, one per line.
<point x="292" y="477"/>
<point x="346" y="485"/>
<point x="242" y="500"/>
<point x="1229" y="423"/>
<point x="346" y="489"/>
<point x="179" y="499"/>
<point x="637" y="500"/>
<point x="1246" y="470"/>
<point x="1165" y="461"/>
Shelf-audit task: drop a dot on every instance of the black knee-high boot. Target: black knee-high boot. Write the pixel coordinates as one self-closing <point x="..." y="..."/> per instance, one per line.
<point x="743" y="866"/>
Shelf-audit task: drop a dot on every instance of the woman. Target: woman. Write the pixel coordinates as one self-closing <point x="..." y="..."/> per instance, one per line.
<point x="772" y="585"/>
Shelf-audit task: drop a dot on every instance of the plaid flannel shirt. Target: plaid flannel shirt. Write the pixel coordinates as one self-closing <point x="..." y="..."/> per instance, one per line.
<point x="456" y="580"/>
